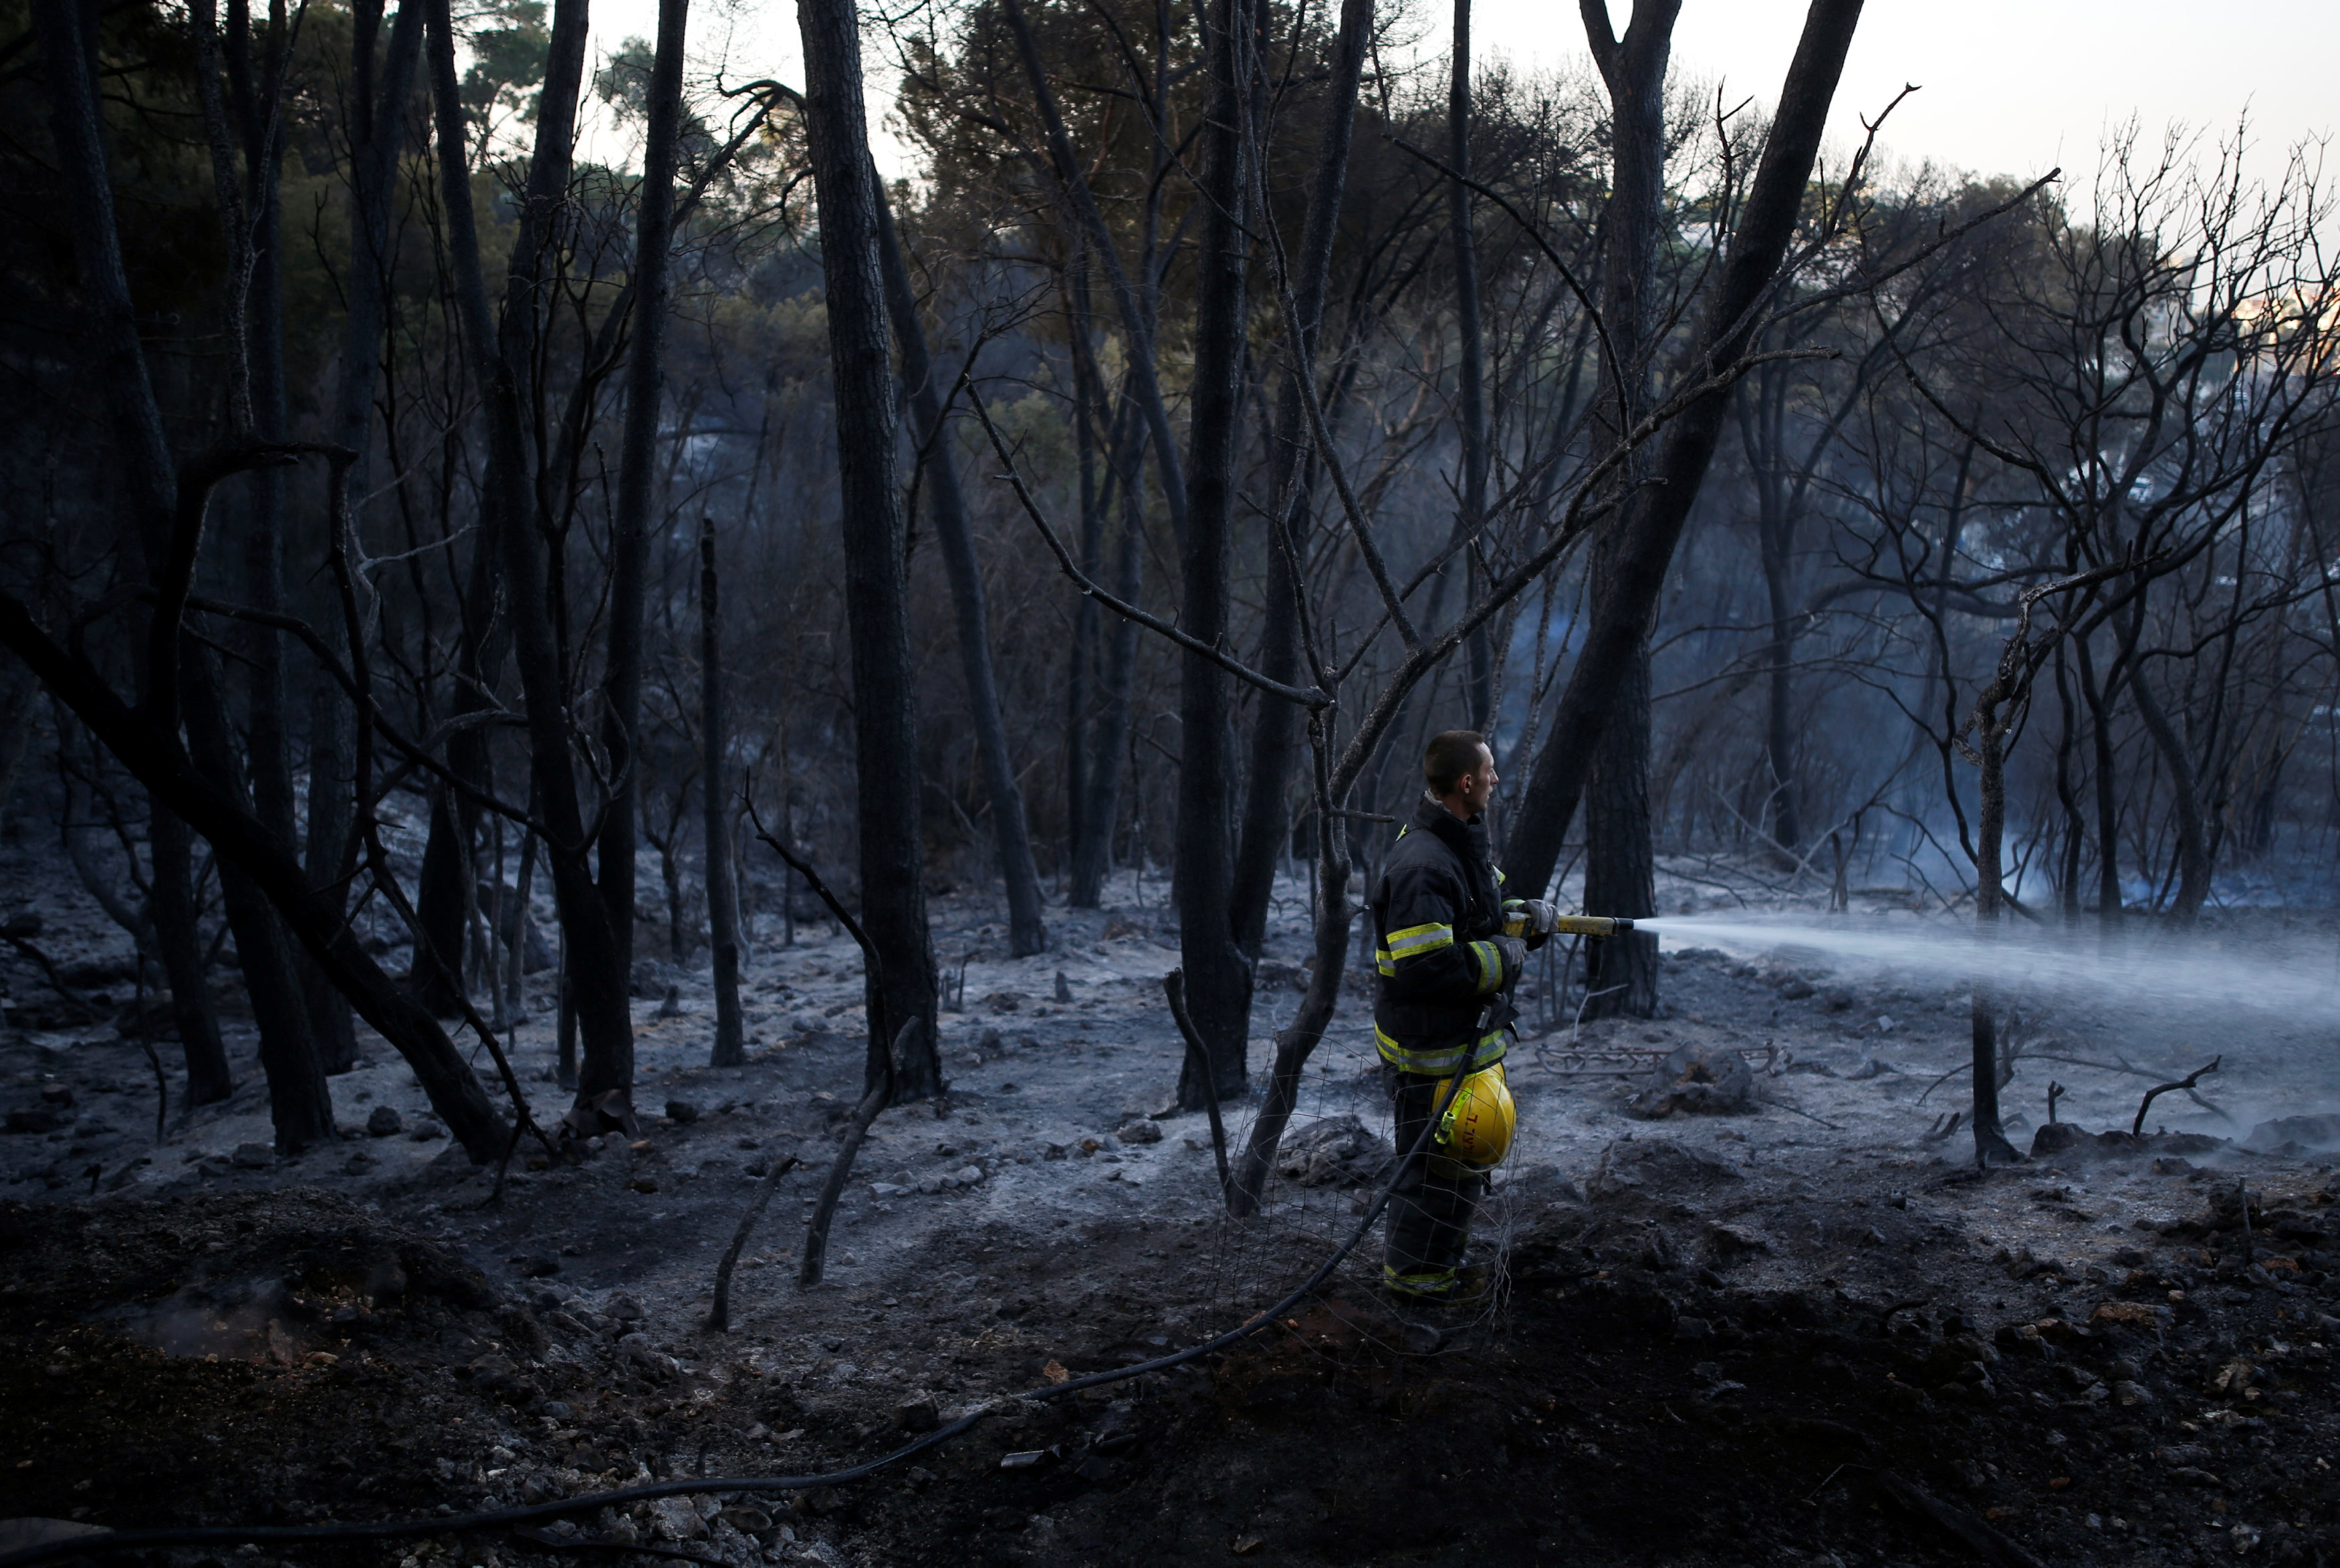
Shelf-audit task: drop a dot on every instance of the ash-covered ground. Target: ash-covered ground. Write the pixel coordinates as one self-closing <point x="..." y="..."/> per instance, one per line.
<point x="1798" y="1331"/>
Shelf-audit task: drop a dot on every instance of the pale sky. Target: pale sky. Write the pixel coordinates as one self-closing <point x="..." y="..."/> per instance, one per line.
<point x="2010" y="87"/>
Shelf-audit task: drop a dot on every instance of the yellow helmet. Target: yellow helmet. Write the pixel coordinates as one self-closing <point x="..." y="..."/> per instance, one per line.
<point x="1475" y="1129"/>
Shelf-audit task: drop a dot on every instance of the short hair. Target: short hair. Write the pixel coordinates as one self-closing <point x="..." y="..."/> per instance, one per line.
<point x="1448" y="757"/>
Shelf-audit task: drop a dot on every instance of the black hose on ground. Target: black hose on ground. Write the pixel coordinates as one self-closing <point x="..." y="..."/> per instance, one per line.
<point x="115" y="1543"/>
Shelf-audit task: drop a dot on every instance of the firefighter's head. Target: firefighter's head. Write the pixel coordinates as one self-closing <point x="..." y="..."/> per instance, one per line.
<point x="1460" y="771"/>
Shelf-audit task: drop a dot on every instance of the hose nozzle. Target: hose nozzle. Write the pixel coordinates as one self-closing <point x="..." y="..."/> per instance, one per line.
<point x="1592" y="925"/>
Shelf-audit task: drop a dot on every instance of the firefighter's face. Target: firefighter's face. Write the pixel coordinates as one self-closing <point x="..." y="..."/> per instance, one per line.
<point x="1477" y="787"/>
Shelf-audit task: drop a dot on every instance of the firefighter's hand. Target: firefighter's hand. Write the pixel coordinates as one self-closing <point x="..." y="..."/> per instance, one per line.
<point x="1516" y="958"/>
<point x="1534" y="919"/>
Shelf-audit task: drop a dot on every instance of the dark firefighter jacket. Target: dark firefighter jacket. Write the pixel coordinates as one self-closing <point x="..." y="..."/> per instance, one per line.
<point x="1436" y="911"/>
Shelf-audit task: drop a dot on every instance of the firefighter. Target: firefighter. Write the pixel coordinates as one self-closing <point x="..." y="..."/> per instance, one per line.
<point x="1450" y="948"/>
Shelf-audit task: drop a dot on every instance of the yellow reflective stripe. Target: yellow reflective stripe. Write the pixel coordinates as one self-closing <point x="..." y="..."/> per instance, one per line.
<point x="1416" y="940"/>
<point x="1441" y="1063"/>
<point x="1491" y="965"/>
<point x="1420" y="1281"/>
<point x="1500" y="878"/>
<point x="1383" y="962"/>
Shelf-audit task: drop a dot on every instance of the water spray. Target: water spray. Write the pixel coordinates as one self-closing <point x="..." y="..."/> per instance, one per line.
<point x="2297" y="979"/>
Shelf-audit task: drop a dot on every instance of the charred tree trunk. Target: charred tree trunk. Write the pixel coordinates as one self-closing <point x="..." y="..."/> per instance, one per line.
<point x="1990" y="835"/>
<point x="2194" y="860"/>
<point x="505" y="359"/>
<point x="1621" y="973"/>
<point x="1763" y="415"/>
<point x="1652" y="524"/>
<point x="1619" y="864"/>
<point x="258" y="774"/>
<point x="300" y="1107"/>
<point x="2099" y="701"/>
<point x="885" y="702"/>
<point x="1218" y="981"/>
<point x="440" y="903"/>
<point x="1778" y="726"/>
<point x="2068" y="796"/>
<point x="1296" y="1043"/>
<point x="596" y="974"/>
<point x="17" y="690"/>
<point x="256" y="92"/>
<point x="111" y="328"/>
<point x="179" y="943"/>
<point x="715" y="831"/>
<point x="1101" y="812"/>
<point x="1275" y="736"/>
<point x="1471" y="372"/>
<point x="1027" y="926"/>
<point x="638" y="464"/>
<point x="328" y="858"/>
<point x="378" y="99"/>
<point x="150" y="753"/>
<point x="1082" y="661"/>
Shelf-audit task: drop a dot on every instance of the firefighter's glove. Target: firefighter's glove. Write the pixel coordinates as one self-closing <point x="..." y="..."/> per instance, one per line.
<point x="1532" y="919"/>
<point x="1514" y="953"/>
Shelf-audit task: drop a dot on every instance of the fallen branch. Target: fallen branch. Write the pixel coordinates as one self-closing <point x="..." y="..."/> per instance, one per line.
<point x="2137" y="1128"/>
<point x="816" y="1252"/>
<point x="2218" y="1111"/>
<point x="719" y="1316"/>
<point x="1807" y="1115"/>
<point x="1174" y="986"/>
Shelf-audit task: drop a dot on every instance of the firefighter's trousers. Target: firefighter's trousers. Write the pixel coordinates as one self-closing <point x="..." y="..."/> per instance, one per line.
<point x="1431" y="1207"/>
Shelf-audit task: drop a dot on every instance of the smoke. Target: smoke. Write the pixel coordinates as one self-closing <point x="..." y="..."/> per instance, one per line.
<point x="238" y="1321"/>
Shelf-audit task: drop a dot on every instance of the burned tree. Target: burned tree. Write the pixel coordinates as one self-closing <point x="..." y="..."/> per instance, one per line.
<point x="886" y="739"/>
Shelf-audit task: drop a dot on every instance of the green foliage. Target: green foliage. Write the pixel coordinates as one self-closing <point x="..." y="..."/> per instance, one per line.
<point x="509" y="40"/>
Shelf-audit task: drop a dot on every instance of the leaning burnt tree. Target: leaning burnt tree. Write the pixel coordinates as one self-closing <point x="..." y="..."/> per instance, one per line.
<point x="1643" y="550"/>
<point x="1683" y="429"/>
